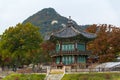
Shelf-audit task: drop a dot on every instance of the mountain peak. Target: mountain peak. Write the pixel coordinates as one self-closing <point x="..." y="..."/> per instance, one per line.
<point x="48" y="20"/>
<point x="48" y="11"/>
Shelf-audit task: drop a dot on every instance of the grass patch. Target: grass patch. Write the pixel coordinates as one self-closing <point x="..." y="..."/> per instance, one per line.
<point x="92" y="76"/>
<point x="25" y="77"/>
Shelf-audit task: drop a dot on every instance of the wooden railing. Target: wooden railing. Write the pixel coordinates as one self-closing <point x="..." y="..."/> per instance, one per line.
<point x="55" y="53"/>
<point x="91" y="70"/>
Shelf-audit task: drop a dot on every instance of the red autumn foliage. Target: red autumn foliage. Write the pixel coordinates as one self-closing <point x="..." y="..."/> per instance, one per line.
<point x="107" y="43"/>
<point x="48" y="46"/>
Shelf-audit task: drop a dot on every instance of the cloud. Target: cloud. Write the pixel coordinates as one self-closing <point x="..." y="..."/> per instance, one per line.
<point x="82" y="11"/>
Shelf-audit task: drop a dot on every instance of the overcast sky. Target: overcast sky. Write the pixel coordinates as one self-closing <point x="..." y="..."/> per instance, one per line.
<point x="82" y="11"/>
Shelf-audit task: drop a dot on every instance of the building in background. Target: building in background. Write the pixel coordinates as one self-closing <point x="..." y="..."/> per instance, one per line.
<point x="70" y="46"/>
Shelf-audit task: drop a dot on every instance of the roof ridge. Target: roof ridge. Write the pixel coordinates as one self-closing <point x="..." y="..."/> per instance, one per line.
<point x="75" y="29"/>
<point x="59" y="30"/>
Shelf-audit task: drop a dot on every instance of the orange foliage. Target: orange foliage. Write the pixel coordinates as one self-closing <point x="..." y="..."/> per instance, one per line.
<point x="48" y="46"/>
<point x="107" y="43"/>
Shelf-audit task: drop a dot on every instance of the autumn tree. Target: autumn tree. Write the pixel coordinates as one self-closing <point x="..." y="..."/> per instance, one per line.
<point x="20" y="44"/>
<point x="48" y="47"/>
<point x="107" y="44"/>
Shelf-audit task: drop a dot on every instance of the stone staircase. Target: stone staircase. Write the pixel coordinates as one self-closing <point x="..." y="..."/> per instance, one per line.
<point x="54" y="76"/>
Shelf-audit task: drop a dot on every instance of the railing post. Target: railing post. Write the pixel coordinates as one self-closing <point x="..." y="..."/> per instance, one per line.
<point x="64" y="69"/>
<point x="48" y="71"/>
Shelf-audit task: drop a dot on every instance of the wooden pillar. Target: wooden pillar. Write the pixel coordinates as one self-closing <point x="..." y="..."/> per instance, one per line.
<point x="85" y="61"/>
<point x="60" y="59"/>
<point x="75" y="46"/>
<point x="85" y="45"/>
<point x="75" y="58"/>
<point x="60" y="46"/>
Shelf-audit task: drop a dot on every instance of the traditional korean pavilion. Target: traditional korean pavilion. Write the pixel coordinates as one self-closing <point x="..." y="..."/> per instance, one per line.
<point x="71" y="46"/>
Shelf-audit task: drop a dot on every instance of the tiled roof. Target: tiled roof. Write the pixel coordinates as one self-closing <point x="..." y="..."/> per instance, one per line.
<point x="70" y="31"/>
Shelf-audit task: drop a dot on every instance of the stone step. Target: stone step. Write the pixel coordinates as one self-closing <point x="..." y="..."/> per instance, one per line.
<point x="54" y="76"/>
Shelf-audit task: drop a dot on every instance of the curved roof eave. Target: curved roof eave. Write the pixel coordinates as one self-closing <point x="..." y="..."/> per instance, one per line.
<point x="66" y="32"/>
<point x="88" y="35"/>
<point x="73" y="34"/>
